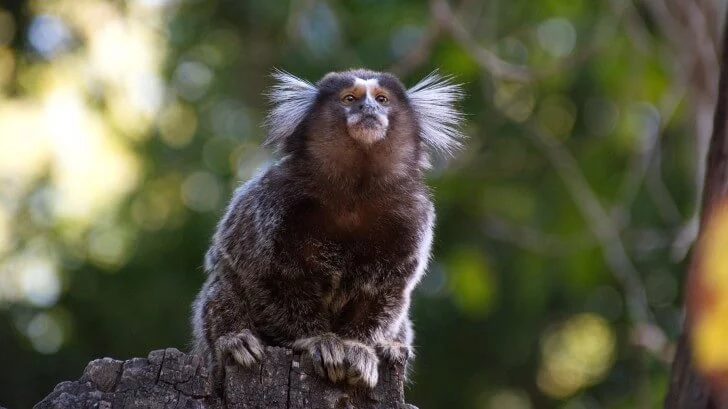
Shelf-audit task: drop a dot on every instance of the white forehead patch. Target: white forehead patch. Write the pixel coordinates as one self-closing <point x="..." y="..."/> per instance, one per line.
<point x="370" y="85"/>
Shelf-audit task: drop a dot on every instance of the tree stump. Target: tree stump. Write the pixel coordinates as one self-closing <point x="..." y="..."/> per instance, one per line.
<point x="169" y="378"/>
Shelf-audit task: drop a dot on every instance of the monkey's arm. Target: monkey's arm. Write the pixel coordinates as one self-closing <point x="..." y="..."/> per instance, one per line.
<point x="371" y="322"/>
<point x="222" y="325"/>
<point x="373" y="317"/>
<point x="379" y="321"/>
<point x="221" y="313"/>
<point x="382" y="316"/>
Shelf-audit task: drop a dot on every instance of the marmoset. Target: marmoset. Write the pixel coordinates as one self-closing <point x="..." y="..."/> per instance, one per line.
<point x="320" y="252"/>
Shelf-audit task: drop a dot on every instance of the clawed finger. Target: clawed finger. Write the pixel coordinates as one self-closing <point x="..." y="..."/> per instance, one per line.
<point x="327" y="354"/>
<point x="244" y="348"/>
<point x="362" y="365"/>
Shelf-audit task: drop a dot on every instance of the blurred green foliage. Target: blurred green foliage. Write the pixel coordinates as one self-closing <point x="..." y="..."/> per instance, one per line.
<point x="522" y="306"/>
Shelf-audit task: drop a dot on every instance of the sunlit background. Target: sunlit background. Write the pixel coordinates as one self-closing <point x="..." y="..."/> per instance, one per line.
<point x="563" y="225"/>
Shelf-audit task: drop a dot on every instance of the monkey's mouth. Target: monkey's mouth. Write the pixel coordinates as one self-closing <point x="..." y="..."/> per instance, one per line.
<point x="367" y="128"/>
<point x="369" y="121"/>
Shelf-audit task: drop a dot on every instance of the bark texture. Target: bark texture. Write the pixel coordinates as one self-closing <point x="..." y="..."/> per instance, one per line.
<point x="172" y="379"/>
<point x="688" y="389"/>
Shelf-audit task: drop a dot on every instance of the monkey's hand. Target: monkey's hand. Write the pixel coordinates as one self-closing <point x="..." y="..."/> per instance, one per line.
<point x="327" y="354"/>
<point x="244" y="347"/>
<point x="362" y="364"/>
<point x="394" y="351"/>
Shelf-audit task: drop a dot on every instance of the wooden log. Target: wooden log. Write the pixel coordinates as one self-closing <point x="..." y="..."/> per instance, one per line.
<point x="172" y="379"/>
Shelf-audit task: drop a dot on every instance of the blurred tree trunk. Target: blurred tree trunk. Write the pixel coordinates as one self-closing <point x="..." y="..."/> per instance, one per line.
<point x="688" y="388"/>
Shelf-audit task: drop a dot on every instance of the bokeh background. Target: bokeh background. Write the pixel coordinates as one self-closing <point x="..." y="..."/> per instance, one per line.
<point x="563" y="227"/>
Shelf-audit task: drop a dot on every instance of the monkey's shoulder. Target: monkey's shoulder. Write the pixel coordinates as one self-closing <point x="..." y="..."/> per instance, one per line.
<point x="259" y="202"/>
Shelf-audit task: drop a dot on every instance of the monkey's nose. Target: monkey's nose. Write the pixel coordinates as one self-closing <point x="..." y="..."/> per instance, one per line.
<point x="367" y="108"/>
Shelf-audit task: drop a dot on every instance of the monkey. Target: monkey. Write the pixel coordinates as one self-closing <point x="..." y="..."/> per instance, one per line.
<point x="321" y="250"/>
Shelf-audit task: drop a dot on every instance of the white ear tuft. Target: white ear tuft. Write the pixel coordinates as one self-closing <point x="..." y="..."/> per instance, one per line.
<point x="433" y="101"/>
<point x="292" y="99"/>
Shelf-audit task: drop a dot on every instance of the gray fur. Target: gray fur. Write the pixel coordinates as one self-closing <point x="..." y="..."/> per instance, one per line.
<point x="322" y="250"/>
<point x="292" y="99"/>
<point x="433" y="100"/>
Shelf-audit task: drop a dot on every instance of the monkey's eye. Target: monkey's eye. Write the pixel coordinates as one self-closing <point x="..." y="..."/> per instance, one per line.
<point x="382" y="99"/>
<point x="348" y="99"/>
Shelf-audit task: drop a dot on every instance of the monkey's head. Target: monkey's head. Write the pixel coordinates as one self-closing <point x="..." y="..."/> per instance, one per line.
<point x="363" y="101"/>
<point x="360" y="121"/>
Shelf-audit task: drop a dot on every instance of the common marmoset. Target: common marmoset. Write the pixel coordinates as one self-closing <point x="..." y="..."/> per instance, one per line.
<point x="321" y="251"/>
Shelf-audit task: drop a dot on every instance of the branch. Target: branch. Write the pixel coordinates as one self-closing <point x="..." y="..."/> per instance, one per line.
<point x="171" y="379"/>
<point x="539" y="242"/>
<point x="598" y="221"/>
<point x="444" y="15"/>
<point x="499" y="68"/>
<point x="691" y="31"/>
<point x="646" y="158"/>
<point x="419" y="53"/>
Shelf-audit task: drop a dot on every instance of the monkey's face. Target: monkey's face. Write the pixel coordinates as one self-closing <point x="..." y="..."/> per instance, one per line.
<point x="366" y="108"/>
<point x="372" y="107"/>
<point x="361" y="122"/>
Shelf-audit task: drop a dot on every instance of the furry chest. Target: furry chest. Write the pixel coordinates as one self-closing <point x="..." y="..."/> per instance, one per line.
<point x="344" y="276"/>
<point x="349" y="299"/>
